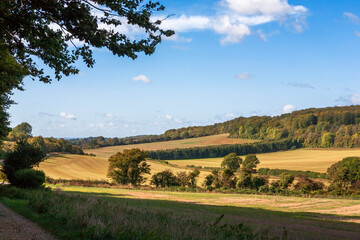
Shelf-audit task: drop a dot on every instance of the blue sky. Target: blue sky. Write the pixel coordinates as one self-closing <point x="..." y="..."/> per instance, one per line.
<point x="229" y="58"/>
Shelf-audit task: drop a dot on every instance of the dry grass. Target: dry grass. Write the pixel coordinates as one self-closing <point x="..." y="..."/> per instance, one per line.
<point x="317" y="160"/>
<point x="345" y="207"/>
<point x="212" y="140"/>
<point x="71" y="166"/>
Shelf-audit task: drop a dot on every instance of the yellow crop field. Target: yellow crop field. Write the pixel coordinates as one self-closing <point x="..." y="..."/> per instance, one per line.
<point x="212" y="140"/>
<point x="317" y="160"/>
<point x="72" y="166"/>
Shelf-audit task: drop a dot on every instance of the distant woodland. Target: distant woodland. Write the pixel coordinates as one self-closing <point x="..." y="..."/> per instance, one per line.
<point x="322" y="127"/>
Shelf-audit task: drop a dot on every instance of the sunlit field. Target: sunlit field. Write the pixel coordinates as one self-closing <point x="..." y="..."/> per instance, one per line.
<point x="213" y="140"/>
<point x="317" y="160"/>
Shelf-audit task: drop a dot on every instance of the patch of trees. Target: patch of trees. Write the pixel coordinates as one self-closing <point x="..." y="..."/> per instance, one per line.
<point x="172" y="134"/>
<point x="278" y="172"/>
<point x="222" y="150"/>
<point x="23" y="131"/>
<point x="18" y="165"/>
<point x="344" y="175"/>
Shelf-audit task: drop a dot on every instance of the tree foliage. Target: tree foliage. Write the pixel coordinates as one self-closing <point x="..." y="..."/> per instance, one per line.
<point x="232" y="162"/>
<point x="59" y="33"/>
<point x="129" y="167"/>
<point x="345" y="173"/>
<point x="24" y="156"/>
<point x="45" y="29"/>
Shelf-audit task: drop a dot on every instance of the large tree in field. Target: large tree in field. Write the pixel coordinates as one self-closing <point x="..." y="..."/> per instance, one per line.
<point x="58" y="33"/>
<point x="129" y="166"/>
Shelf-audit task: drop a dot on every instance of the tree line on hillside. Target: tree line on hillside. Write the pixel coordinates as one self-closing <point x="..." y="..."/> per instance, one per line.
<point x="130" y="166"/>
<point x="315" y="127"/>
<point x="326" y="127"/>
<point x="222" y="150"/>
<point x="47" y="145"/>
<point x="172" y="134"/>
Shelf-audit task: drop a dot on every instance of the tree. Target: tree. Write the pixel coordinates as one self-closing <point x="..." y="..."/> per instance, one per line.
<point x="129" y="166"/>
<point x="23" y="130"/>
<point x="47" y="30"/>
<point x="232" y="162"/>
<point x="192" y="177"/>
<point x="345" y="173"/>
<point x="24" y="156"/>
<point x="327" y="140"/>
<point x="249" y="164"/>
<point x="165" y="178"/>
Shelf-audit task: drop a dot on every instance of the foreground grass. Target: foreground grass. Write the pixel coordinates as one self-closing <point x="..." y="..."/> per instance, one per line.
<point x="73" y="216"/>
<point x="304" y="218"/>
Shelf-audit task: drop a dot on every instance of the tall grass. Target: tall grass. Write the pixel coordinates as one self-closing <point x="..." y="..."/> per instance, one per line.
<point x="99" y="218"/>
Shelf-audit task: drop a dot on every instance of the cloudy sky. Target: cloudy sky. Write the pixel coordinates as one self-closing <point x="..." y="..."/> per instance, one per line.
<point x="229" y="58"/>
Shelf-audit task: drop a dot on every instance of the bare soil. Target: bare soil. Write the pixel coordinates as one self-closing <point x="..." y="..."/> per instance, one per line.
<point x="16" y="227"/>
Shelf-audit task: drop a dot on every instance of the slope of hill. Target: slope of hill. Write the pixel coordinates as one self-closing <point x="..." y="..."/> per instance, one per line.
<point x="71" y="166"/>
<point x="213" y="140"/>
<point x="315" y="127"/>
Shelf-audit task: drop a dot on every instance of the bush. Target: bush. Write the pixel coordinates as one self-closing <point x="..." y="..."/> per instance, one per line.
<point x="28" y="178"/>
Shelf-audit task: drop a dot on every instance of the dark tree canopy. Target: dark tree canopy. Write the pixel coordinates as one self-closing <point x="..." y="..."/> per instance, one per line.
<point x="45" y="29"/>
<point x="129" y="166"/>
<point x="24" y="156"/>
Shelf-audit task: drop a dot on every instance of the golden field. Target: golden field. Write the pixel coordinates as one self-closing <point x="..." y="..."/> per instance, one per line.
<point x="212" y="140"/>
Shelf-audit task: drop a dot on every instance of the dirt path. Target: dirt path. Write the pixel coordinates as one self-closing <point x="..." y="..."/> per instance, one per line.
<point x="16" y="227"/>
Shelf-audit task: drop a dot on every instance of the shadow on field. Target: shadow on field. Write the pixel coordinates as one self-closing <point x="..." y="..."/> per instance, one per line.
<point x="300" y="225"/>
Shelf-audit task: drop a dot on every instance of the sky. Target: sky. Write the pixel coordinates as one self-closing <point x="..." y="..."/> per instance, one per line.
<point x="228" y="58"/>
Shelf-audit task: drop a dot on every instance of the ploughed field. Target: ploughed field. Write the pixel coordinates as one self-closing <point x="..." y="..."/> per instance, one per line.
<point x="212" y="140"/>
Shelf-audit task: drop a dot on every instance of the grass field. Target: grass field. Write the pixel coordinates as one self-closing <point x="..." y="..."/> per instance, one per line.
<point x="304" y="218"/>
<point x="183" y="143"/>
<point x="317" y="160"/>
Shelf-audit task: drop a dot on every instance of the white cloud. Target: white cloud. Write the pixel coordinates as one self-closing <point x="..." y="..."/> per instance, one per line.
<point x="300" y="85"/>
<point x="263" y="7"/>
<point x="355" y="98"/>
<point x="352" y="17"/>
<point x="172" y="119"/>
<point x="357" y="33"/>
<point x="186" y="23"/>
<point x="141" y="78"/>
<point x="234" y="32"/>
<point x="234" y="19"/>
<point x="288" y="108"/>
<point x="243" y="76"/>
<point x="68" y="116"/>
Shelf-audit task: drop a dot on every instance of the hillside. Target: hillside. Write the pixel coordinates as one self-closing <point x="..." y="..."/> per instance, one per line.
<point x="315" y="127"/>
<point x="213" y="140"/>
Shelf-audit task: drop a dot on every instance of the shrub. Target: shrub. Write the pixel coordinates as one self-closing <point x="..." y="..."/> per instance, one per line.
<point x="28" y="178"/>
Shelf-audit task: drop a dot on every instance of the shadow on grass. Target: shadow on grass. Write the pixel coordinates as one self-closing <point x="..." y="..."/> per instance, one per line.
<point x="328" y="226"/>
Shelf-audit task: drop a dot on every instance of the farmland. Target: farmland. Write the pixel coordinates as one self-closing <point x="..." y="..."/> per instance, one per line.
<point x="71" y="166"/>
<point x="213" y="140"/>
<point x="317" y="160"/>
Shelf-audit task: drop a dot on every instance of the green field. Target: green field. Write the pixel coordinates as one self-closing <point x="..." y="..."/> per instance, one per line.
<point x="183" y="143"/>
